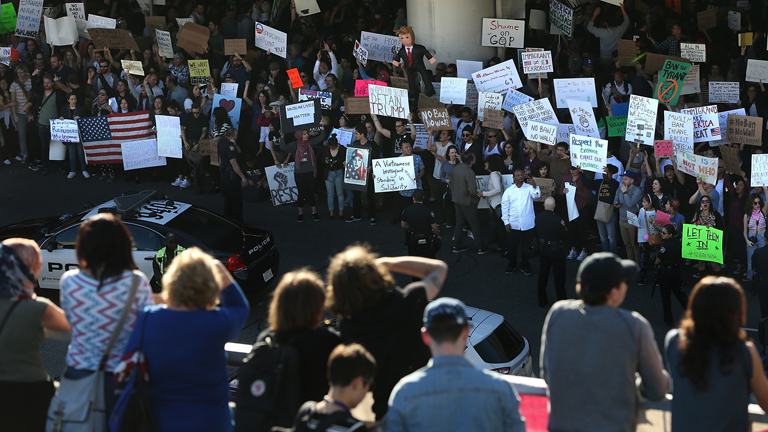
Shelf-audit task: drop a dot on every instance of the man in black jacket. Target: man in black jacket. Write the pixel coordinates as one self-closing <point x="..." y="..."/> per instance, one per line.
<point x="412" y="56"/>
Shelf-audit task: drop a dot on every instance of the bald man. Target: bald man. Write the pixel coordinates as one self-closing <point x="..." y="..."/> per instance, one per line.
<point x="552" y="235"/>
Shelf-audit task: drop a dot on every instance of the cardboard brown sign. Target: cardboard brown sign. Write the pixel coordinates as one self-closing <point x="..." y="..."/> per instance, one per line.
<point x="655" y="62"/>
<point x="436" y="118"/>
<point x="731" y="156"/>
<point x="399" y="82"/>
<point x="357" y="105"/>
<point x="193" y="37"/>
<point x="155" y="23"/>
<point x="745" y="130"/>
<point x="707" y="19"/>
<point x="494" y="118"/>
<point x="427" y="102"/>
<point x="232" y="46"/>
<point x="207" y="147"/>
<point x="113" y="38"/>
<point x="627" y="52"/>
<point x="546" y="186"/>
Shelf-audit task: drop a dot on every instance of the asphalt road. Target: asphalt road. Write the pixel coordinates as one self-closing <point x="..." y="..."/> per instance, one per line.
<point x="479" y="281"/>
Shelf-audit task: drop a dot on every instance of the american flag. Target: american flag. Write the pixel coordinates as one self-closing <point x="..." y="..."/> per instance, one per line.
<point x="103" y="135"/>
<point x="714" y="131"/>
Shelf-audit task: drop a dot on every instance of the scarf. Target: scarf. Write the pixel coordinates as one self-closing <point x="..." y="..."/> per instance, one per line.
<point x="13" y="275"/>
<point x="756" y="215"/>
<point x="304" y="147"/>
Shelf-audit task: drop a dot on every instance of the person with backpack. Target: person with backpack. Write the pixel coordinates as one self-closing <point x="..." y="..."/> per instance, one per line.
<point x="351" y="369"/>
<point x="288" y="364"/>
<point x="619" y="90"/>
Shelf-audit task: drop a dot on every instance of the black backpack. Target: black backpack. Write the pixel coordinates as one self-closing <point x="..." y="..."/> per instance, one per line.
<point x="268" y="387"/>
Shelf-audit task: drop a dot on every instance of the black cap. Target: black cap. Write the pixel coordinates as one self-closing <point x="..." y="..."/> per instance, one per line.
<point x="170" y="237"/>
<point x="601" y="272"/>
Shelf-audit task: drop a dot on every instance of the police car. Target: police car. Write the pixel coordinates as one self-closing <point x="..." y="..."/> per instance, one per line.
<point x="493" y="344"/>
<point x="249" y="253"/>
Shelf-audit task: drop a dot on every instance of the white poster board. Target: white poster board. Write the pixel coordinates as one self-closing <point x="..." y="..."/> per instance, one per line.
<point x="271" y="40"/>
<point x="453" y="90"/>
<point x="388" y="101"/>
<point x="77" y="11"/>
<point x="570" y="200"/>
<point x="692" y="82"/>
<point x="465" y="68"/>
<point x="693" y="52"/>
<point x="580" y="89"/>
<point x="507" y="180"/>
<point x="28" y="18"/>
<point x="230" y="89"/>
<point x="759" y="176"/>
<point x="541" y="132"/>
<point x="537" y="62"/>
<point x="503" y="33"/>
<point x="706" y="126"/>
<point x="632" y="219"/>
<point x="488" y="100"/>
<point x="583" y="118"/>
<point x="734" y="20"/>
<point x="757" y="70"/>
<point x="722" y="120"/>
<point x="141" y="154"/>
<point x="345" y="137"/>
<point x="564" y="132"/>
<point x="307" y="7"/>
<point x="678" y="128"/>
<point x="65" y="131"/>
<point x="539" y="110"/>
<point x="723" y="92"/>
<point x="590" y="154"/>
<point x="498" y="79"/>
<point x="641" y="120"/>
<point x="698" y="166"/>
<point x="360" y="53"/>
<point x="380" y="47"/>
<point x="97" y="21"/>
<point x="393" y="174"/>
<point x="168" y="136"/>
<point x="164" y="44"/>
<point x="514" y="98"/>
<point x="282" y="184"/>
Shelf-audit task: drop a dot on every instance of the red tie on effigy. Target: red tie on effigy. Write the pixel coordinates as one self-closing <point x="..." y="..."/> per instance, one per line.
<point x="410" y="58"/>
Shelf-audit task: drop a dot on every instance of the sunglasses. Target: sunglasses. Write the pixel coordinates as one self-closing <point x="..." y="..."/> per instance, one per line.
<point x="665" y="233"/>
<point x="466" y="135"/>
<point x="491" y="136"/>
<point x="705" y="201"/>
<point x="195" y="112"/>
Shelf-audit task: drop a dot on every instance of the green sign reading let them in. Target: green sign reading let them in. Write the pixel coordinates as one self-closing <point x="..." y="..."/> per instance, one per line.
<point x="702" y="243"/>
<point x="7" y="18"/>
<point x="617" y="126"/>
<point x="671" y="79"/>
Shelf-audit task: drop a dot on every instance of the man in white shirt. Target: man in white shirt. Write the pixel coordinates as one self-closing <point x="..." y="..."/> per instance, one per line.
<point x="612" y="160"/>
<point x="321" y="67"/>
<point x="519" y="219"/>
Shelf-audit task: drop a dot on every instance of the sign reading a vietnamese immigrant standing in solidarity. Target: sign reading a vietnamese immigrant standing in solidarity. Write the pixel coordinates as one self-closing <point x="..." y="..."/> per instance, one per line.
<point x="745" y="130"/>
<point x="380" y="47"/>
<point x="141" y="154"/>
<point x="539" y="110"/>
<point x="583" y="118"/>
<point x="325" y="97"/>
<point x="702" y="243"/>
<point x="436" y="119"/>
<point x="393" y="174"/>
<point x="388" y="101"/>
<point x="514" y="98"/>
<point x="588" y="153"/>
<point x="453" y="90"/>
<point x="671" y="79"/>
<point x="28" y="19"/>
<point x="537" y="62"/>
<point x="617" y="126"/>
<point x="701" y="167"/>
<point x="561" y="17"/>
<point x="271" y="40"/>
<point x="641" y="120"/>
<point x="543" y="133"/>
<point x="705" y="124"/>
<point x="580" y="89"/>
<point x="759" y="170"/>
<point x="497" y="79"/>
<point x="723" y="92"/>
<point x="65" y="131"/>
<point x="678" y="128"/>
<point x="503" y="33"/>
<point x="693" y="52"/>
<point x="282" y="184"/>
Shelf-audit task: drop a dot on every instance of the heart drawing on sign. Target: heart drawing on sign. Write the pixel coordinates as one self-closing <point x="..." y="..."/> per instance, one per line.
<point x="228" y="105"/>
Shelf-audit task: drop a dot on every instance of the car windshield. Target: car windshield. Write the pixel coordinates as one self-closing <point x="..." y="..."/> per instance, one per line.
<point x="501" y="346"/>
<point x="213" y="231"/>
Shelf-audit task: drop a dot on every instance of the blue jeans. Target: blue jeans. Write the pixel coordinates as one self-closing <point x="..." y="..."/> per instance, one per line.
<point x="334" y="185"/>
<point x="751" y="250"/>
<point x="608" y="233"/>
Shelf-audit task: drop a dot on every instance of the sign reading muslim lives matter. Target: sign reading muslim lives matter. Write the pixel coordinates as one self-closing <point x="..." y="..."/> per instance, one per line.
<point x="702" y="243"/>
<point x="388" y="101"/>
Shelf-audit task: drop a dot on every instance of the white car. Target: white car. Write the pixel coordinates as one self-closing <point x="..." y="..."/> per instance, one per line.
<point x="495" y="345"/>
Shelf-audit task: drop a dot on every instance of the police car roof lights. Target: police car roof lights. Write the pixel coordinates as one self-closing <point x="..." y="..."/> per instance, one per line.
<point x="131" y="203"/>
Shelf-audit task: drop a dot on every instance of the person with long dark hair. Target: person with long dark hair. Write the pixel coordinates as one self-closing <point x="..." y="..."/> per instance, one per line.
<point x="305" y="172"/>
<point x="495" y="167"/>
<point x="754" y="223"/>
<point x="713" y="366"/>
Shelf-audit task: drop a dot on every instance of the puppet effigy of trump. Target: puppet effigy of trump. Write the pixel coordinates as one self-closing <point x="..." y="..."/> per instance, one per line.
<point x="412" y="56"/>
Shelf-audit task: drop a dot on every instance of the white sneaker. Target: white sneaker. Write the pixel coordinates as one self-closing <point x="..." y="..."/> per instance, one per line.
<point x="572" y="255"/>
<point x="19" y="158"/>
<point x="470" y="235"/>
<point x="581" y="256"/>
<point x="86" y="175"/>
<point x="185" y="184"/>
<point x="177" y="182"/>
<point x="7" y="162"/>
<point x="71" y="175"/>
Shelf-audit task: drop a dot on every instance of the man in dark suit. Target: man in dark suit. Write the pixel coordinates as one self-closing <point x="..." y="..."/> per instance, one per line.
<point x="412" y="56"/>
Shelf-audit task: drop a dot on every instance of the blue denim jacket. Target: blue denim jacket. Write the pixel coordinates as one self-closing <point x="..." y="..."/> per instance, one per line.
<point x="450" y="394"/>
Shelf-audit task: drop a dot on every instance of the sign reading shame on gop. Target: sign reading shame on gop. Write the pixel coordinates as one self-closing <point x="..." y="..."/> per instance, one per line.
<point x="388" y="101"/>
<point x="300" y="116"/>
<point x="498" y="79"/>
<point x="503" y="33"/>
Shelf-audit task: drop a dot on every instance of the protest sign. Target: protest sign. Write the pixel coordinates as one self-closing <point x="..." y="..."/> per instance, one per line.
<point x="465" y="68"/>
<point x="664" y="148"/>
<point x="723" y="92"/>
<point x="5" y="55"/>
<point x="543" y="133"/>
<point x="360" y="53"/>
<point x="632" y="219"/>
<point x="393" y="174"/>
<point x="472" y="96"/>
<point x="588" y="153"/>
<point x="734" y="20"/>
<point x="154" y="23"/>
<point x="507" y="180"/>
<point x="617" y="125"/>
<point x="537" y="19"/>
<point x="692" y="82"/>
<point x="693" y="52"/>
<point x="453" y="90"/>
<point x="514" y="98"/>
<point x="141" y="154"/>
<point x="671" y="80"/>
<point x="357" y="105"/>
<point x="307" y="7"/>
<point x="757" y="70"/>
<point x="678" y="128"/>
<point x="583" y="118"/>
<point x="168" y="136"/>
<point x="112" y="38"/>
<point x="271" y="40"/>
<point x="702" y="243"/>
<point x="641" y="120"/>
<point x="426" y="102"/>
<point x="705" y="124"/>
<point x="282" y="184"/>
<point x="539" y="110"/>
<point x="503" y="33"/>
<point x="497" y="79"/>
<point x="388" y="101"/>
<point x="356" y="172"/>
<point x="182" y="21"/>
<point x="731" y="158"/>
<point x="380" y="47"/>
<point x="28" y="19"/>
<point x="701" y="167"/>
<point x="7" y="18"/>
<point x="578" y="89"/>
<point x="300" y="116"/>
<point x="745" y="39"/>
<point x="570" y="202"/>
<point x="325" y="97"/>
<point x="707" y="19"/>
<point x="207" y="147"/>
<point x="295" y="77"/>
<point x="135" y="67"/>
<point x="164" y="44"/>
<point x="564" y="132"/>
<point x="361" y="86"/>
<point x="488" y="100"/>
<point x="344" y="136"/>
<point x="494" y="118"/>
<point x="745" y="130"/>
<point x="561" y="16"/>
<point x="194" y="37"/>
<point x="232" y="105"/>
<point x="546" y="187"/>
<point x="722" y="118"/>
<point x="654" y="62"/>
<point x="65" y="131"/>
<point x="235" y="46"/>
<point x="436" y="119"/>
<point x="627" y="53"/>
<point x="422" y="136"/>
<point x="62" y="31"/>
<point x="759" y="176"/>
<point x="229" y="89"/>
<point x="399" y="82"/>
<point x="199" y="71"/>
<point x="537" y="62"/>
<point x="661" y="218"/>
<point x="97" y="21"/>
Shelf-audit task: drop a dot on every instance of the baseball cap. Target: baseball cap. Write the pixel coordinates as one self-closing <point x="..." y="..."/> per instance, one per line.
<point x="601" y="272"/>
<point x="613" y="169"/>
<point x="447" y="307"/>
<point x="170" y="237"/>
<point x="630" y="174"/>
<point x="229" y="75"/>
<point x="274" y="66"/>
<point x="587" y="62"/>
